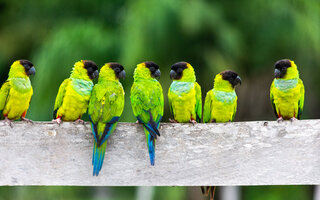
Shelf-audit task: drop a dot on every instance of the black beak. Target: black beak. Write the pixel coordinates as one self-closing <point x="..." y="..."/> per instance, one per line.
<point x="95" y="74"/>
<point x="173" y="74"/>
<point x="122" y="74"/>
<point x="277" y="73"/>
<point x="237" y="80"/>
<point x="31" y="71"/>
<point x="156" y="74"/>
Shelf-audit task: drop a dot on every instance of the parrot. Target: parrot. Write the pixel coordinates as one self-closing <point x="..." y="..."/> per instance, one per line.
<point x="184" y="94"/>
<point x="147" y="102"/>
<point x="287" y="91"/>
<point x="16" y="92"/>
<point x="105" y="108"/>
<point x="221" y="102"/>
<point x="220" y="106"/>
<point x="74" y="93"/>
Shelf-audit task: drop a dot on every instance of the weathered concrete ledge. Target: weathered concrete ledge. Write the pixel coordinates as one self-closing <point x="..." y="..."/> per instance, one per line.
<point x="242" y="153"/>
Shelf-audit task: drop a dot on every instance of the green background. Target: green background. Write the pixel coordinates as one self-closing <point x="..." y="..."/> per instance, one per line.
<point x="245" y="36"/>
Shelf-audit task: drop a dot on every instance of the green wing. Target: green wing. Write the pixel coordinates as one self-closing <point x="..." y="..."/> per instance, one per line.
<point x="148" y="104"/>
<point x="60" y="95"/>
<point x="272" y="99"/>
<point x="301" y="100"/>
<point x="4" y="92"/>
<point x="235" y="103"/>
<point x="207" y="107"/>
<point x="106" y="102"/>
<point x="198" y="102"/>
<point x="170" y="102"/>
<point x="105" y="108"/>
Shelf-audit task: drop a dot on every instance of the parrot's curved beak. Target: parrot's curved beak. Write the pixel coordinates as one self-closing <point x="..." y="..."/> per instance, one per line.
<point x="122" y="74"/>
<point x="31" y="71"/>
<point x="237" y="80"/>
<point x="156" y="74"/>
<point x="95" y="74"/>
<point x="277" y="73"/>
<point x="173" y="74"/>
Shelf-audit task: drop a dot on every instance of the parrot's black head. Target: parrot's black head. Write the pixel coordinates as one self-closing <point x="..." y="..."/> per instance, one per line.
<point x="177" y="69"/>
<point x="281" y="67"/>
<point x="92" y="69"/>
<point x="232" y="77"/>
<point x="118" y="70"/>
<point x="154" y="69"/>
<point x="28" y="67"/>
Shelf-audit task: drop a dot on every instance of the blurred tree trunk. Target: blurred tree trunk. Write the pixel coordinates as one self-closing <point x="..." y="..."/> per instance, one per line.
<point x="144" y="193"/>
<point x="230" y="193"/>
<point x="102" y="193"/>
<point x="316" y="195"/>
<point x="194" y="193"/>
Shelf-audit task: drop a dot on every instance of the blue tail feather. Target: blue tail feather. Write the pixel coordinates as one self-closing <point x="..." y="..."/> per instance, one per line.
<point x="151" y="148"/>
<point x="97" y="159"/>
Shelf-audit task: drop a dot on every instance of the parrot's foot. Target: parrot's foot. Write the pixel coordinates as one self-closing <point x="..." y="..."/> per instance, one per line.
<point x="293" y="119"/>
<point x="137" y="122"/>
<point x="173" y="121"/>
<point x="26" y="120"/>
<point x="193" y="121"/>
<point x="9" y="122"/>
<point x="58" y="121"/>
<point x="280" y="119"/>
<point x="79" y="121"/>
<point x="213" y="121"/>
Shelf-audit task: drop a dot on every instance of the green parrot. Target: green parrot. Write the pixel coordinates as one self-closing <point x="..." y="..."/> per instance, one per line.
<point x="220" y="106"/>
<point x="221" y="102"/>
<point x="16" y="92"/>
<point x="74" y="93"/>
<point x="184" y="95"/>
<point x="147" y="102"/>
<point x="105" y="108"/>
<point x="287" y="91"/>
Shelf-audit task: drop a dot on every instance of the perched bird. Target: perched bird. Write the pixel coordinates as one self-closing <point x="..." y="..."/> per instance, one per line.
<point x="221" y="102"/>
<point x="105" y="108"/>
<point x="74" y="93"/>
<point x="287" y="91"/>
<point x="220" y="106"/>
<point x="16" y="92"/>
<point x="147" y="102"/>
<point x="184" y="94"/>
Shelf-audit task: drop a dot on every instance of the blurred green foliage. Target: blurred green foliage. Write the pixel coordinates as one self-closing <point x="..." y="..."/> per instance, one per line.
<point x="245" y="36"/>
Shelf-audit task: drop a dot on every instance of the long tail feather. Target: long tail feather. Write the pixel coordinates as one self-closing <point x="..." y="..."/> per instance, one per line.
<point x="151" y="146"/>
<point x="98" y="157"/>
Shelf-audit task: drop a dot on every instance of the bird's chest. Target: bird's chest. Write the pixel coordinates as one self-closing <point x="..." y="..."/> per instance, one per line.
<point x="21" y="91"/>
<point x="182" y="89"/>
<point x="285" y="85"/>
<point x="286" y="90"/>
<point x="21" y="85"/>
<point x="224" y="97"/>
<point x="82" y="87"/>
